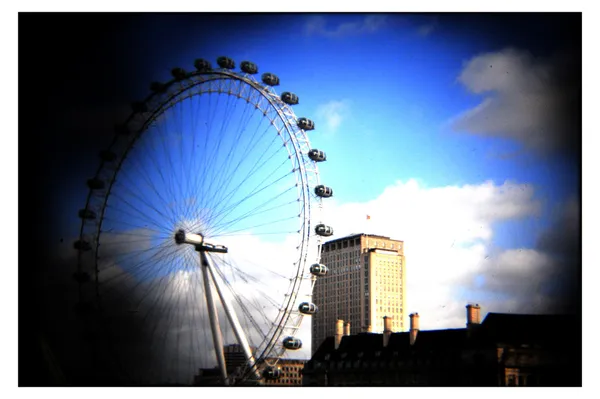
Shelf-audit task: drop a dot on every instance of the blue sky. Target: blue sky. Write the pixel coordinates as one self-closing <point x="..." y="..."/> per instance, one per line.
<point x="396" y="89"/>
<point x="419" y="133"/>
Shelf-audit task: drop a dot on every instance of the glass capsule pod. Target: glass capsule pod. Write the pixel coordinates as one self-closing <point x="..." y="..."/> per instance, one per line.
<point x="292" y="343"/>
<point x="306" y="124"/>
<point x="225" y="62"/>
<point x="178" y="73"/>
<point x="87" y="214"/>
<point x="289" y="98"/>
<point x="95" y="184"/>
<point x="107" y="155"/>
<point x="324" y="230"/>
<point x="82" y="245"/>
<point x="323" y="191"/>
<point x="308" y="308"/>
<point x="272" y="373"/>
<point x="81" y="277"/>
<point x="158" y="87"/>
<point x="249" y="67"/>
<point x="318" y="269"/>
<point x="317" y="155"/>
<point x="122" y="130"/>
<point x="202" y="65"/>
<point x="270" y="79"/>
<point x="139" y="106"/>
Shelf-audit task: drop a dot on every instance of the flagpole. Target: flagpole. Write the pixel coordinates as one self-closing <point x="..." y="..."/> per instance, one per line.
<point x="367" y="230"/>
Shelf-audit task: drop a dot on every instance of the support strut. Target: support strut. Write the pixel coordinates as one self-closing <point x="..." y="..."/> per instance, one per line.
<point x="233" y="320"/>
<point x="214" y="318"/>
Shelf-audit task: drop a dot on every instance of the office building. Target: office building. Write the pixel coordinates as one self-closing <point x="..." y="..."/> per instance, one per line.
<point x="365" y="282"/>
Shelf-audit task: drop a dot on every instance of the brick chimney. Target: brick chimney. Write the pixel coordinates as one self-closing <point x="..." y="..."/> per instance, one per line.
<point x="414" y="327"/>
<point x="339" y="332"/>
<point x="387" y="330"/>
<point x="473" y="315"/>
<point x="347" y="328"/>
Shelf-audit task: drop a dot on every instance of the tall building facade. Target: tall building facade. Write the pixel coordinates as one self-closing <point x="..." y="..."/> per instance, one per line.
<point x="366" y="281"/>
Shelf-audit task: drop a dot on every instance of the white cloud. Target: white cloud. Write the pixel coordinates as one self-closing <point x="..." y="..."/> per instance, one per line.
<point x="333" y="114"/>
<point x="526" y="99"/>
<point x="427" y="28"/>
<point x="317" y="25"/>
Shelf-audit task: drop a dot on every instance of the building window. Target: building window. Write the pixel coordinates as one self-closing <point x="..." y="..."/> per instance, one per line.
<point x="511" y="381"/>
<point x="522" y="380"/>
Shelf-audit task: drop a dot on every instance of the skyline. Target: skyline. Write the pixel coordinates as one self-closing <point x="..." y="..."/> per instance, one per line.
<point x="471" y="207"/>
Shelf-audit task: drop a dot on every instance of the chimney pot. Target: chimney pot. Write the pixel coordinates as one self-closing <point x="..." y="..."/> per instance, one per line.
<point x="473" y="314"/>
<point x="387" y="330"/>
<point x="339" y="331"/>
<point x="414" y="327"/>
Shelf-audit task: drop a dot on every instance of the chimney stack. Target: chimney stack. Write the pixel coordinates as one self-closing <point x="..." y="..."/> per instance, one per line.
<point x="347" y="328"/>
<point x="387" y="330"/>
<point x="414" y="327"/>
<point x="339" y="331"/>
<point x="473" y="316"/>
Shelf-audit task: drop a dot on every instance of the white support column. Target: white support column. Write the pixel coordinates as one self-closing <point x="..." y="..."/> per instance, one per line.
<point x="214" y="318"/>
<point x="232" y="316"/>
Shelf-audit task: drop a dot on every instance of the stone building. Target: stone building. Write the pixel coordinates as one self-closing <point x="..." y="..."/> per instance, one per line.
<point x="503" y="350"/>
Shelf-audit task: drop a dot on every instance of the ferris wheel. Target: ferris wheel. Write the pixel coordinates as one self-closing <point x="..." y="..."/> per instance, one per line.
<point x="202" y="228"/>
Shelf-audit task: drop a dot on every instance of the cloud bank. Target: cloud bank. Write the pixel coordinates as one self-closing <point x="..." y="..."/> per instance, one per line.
<point x="531" y="100"/>
<point x="450" y="253"/>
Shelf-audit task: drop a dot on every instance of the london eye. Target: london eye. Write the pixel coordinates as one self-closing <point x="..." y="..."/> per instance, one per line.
<point x="202" y="228"/>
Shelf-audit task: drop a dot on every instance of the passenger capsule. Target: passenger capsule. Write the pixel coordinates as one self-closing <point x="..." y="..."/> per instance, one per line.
<point x="292" y="343"/>
<point x="318" y="269"/>
<point x="108" y="156"/>
<point x="157" y="87"/>
<point x="270" y="79"/>
<point x="249" y="67"/>
<point x="139" y="106"/>
<point x="202" y="65"/>
<point x="272" y="373"/>
<point x="82" y="245"/>
<point x="226" y="62"/>
<point x="87" y="214"/>
<point x="323" y="230"/>
<point x="179" y="73"/>
<point x="308" y="308"/>
<point x="81" y="277"/>
<point x="289" y="98"/>
<point x="306" y="124"/>
<point x="95" y="184"/>
<point x="317" y="155"/>
<point x="323" y="191"/>
<point x="122" y="130"/>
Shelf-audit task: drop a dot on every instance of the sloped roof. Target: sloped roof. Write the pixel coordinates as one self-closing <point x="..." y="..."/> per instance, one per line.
<point x="527" y="328"/>
<point x="497" y="328"/>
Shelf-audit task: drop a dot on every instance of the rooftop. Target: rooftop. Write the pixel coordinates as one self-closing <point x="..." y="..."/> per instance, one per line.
<point x="360" y="235"/>
<point x="496" y="328"/>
